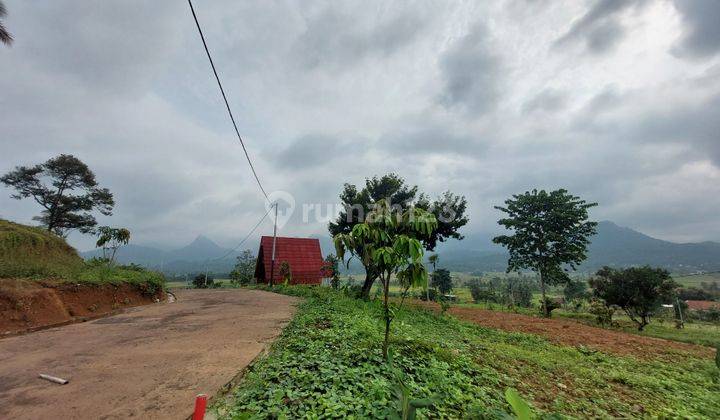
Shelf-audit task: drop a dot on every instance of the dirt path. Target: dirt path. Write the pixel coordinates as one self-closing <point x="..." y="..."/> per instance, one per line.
<point x="572" y="333"/>
<point x="148" y="362"/>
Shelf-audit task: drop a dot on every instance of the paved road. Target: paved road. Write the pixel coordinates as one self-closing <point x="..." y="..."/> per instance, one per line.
<point x="148" y="362"/>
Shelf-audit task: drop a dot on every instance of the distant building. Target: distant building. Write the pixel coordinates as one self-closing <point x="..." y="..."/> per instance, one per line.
<point x="702" y="305"/>
<point x="302" y="254"/>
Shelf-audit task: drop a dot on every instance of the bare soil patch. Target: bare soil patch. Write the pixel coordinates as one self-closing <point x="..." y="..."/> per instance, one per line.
<point x="148" y="362"/>
<point x="29" y="305"/>
<point x="571" y="333"/>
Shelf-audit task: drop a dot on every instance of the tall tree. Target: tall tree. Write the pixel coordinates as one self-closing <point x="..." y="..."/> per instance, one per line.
<point x="244" y="270"/>
<point x="66" y="189"/>
<point x="639" y="291"/>
<point x="550" y="231"/>
<point x="448" y="209"/>
<point x="5" y="36"/>
<point x="389" y="240"/>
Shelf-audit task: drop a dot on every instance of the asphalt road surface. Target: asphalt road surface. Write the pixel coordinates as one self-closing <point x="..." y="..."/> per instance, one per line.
<point x="148" y="362"/>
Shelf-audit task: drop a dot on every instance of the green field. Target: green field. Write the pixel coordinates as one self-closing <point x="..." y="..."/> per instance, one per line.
<point x="328" y="363"/>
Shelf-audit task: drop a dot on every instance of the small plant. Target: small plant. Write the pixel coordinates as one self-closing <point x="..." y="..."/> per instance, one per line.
<point x="286" y="272"/>
<point x="110" y="240"/>
<point x="548" y="306"/>
<point x="603" y="313"/>
<point x="406" y="406"/>
<point x="444" y="305"/>
<point x="203" y="281"/>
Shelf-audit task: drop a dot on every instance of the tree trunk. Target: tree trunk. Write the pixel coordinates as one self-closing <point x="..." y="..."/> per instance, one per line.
<point x="542" y="289"/>
<point x="386" y="292"/>
<point x="367" y="286"/>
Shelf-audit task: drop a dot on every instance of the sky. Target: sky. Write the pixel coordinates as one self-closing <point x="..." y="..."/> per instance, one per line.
<point x="616" y="101"/>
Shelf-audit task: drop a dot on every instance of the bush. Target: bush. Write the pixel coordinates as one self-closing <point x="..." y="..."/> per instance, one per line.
<point x="203" y="281"/>
<point x="603" y="313"/>
<point x="550" y="305"/>
<point x="517" y="292"/>
<point x="442" y="280"/>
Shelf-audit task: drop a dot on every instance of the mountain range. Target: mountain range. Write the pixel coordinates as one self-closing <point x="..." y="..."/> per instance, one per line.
<point x="613" y="245"/>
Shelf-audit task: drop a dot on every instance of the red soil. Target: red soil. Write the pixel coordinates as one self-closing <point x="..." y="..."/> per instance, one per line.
<point x="572" y="333"/>
<point x="29" y="305"/>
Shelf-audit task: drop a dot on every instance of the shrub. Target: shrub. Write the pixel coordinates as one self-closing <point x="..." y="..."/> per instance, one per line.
<point x="603" y="313"/>
<point x="549" y="306"/>
<point x="442" y="280"/>
<point x="203" y="281"/>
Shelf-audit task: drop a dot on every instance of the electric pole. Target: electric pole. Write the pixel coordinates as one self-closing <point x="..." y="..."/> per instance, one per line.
<point x="272" y="264"/>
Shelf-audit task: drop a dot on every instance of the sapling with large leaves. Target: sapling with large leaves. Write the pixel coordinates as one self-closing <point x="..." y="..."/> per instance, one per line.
<point x="550" y="233"/>
<point x="110" y="240"/>
<point x="387" y="240"/>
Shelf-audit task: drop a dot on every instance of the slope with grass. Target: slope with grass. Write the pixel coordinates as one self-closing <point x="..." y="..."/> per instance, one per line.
<point x="44" y="282"/>
<point x="328" y="364"/>
<point x="27" y="251"/>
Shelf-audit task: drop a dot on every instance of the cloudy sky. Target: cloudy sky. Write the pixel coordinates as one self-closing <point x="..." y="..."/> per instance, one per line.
<point x="617" y="101"/>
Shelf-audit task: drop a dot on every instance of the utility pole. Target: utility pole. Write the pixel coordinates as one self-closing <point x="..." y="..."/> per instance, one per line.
<point x="272" y="264"/>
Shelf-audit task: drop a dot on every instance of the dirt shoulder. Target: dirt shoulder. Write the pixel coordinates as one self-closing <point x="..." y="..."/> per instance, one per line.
<point x="27" y="305"/>
<point x="572" y="333"/>
<point x="148" y="362"/>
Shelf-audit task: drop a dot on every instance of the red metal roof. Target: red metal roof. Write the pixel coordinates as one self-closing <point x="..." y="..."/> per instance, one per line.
<point x="702" y="304"/>
<point x="303" y="255"/>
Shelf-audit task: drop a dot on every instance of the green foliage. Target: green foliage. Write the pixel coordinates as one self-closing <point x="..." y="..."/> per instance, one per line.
<point x="99" y="271"/>
<point x="67" y="198"/>
<point x="286" y="272"/>
<point x="603" y="313"/>
<point x="550" y="230"/>
<point x="639" y="291"/>
<point x="517" y="292"/>
<point x="244" y="270"/>
<point x="442" y="281"/>
<point x="387" y="241"/>
<point x="520" y="407"/>
<point x="575" y="289"/>
<point x="482" y="291"/>
<point x="548" y="306"/>
<point x="203" y="281"/>
<point x="444" y="305"/>
<point x="327" y="364"/>
<point x="406" y="406"/>
<point x="332" y="267"/>
<point x="110" y="239"/>
<point x="448" y="209"/>
<point x="33" y="252"/>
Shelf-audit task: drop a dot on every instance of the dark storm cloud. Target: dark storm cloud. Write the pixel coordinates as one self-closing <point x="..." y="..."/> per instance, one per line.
<point x="337" y="39"/>
<point x="313" y="150"/>
<point x="598" y="28"/>
<point x="471" y="73"/>
<point x="701" y="36"/>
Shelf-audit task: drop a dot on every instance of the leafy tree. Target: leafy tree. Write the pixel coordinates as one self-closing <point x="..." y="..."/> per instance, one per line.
<point x="550" y="230"/>
<point x="110" y="239"/>
<point x="244" y="269"/>
<point x="332" y="266"/>
<point x="603" y="313"/>
<point x="448" y="209"/>
<point x="286" y="272"/>
<point x="5" y="36"/>
<point x="203" y="281"/>
<point x="482" y="291"/>
<point x="71" y="194"/>
<point x="442" y="280"/>
<point x="517" y="292"/>
<point x="575" y="289"/>
<point x="387" y="241"/>
<point x="639" y="291"/>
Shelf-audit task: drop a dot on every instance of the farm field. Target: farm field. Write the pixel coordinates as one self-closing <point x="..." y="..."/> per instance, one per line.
<point x="328" y="363"/>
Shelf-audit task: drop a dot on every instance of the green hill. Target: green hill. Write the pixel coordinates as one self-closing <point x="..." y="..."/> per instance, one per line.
<point x="27" y="251"/>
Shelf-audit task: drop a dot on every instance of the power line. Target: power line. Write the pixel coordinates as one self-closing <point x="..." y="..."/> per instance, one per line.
<point x="246" y="237"/>
<point x="227" y="105"/>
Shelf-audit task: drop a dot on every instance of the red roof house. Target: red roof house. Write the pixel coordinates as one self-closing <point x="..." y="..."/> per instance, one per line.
<point x="302" y="254"/>
<point x="702" y="305"/>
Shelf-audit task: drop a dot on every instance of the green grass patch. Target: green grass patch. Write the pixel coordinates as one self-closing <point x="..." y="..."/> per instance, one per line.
<point x="328" y="363"/>
<point x="27" y="251"/>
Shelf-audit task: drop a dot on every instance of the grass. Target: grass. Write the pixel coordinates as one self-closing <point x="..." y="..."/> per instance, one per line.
<point x="328" y="363"/>
<point x="27" y="251"/>
<point x="33" y="253"/>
